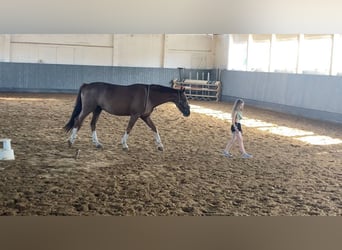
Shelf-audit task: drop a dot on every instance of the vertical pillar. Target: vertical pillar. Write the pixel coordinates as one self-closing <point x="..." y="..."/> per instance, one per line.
<point x="272" y="46"/>
<point x="165" y="50"/>
<point x="5" y="52"/>
<point x="116" y="40"/>
<point x="299" y="52"/>
<point x="333" y="56"/>
<point x="229" y="45"/>
<point x="249" y="45"/>
<point x="226" y="51"/>
<point x="162" y="59"/>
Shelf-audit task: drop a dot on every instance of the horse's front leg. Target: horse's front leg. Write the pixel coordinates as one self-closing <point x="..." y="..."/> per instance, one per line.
<point x="96" y="140"/>
<point x="160" y="145"/>
<point x="130" y="125"/>
<point x="149" y="122"/>
<point x="124" y="141"/>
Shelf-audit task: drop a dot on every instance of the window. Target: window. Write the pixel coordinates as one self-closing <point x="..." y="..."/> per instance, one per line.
<point x="315" y="54"/>
<point x="337" y="63"/>
<point x="285" y="53"/>
<point x="238" y="52"/>
<point x="259" y="53"/>
<point x="288" y="53"/>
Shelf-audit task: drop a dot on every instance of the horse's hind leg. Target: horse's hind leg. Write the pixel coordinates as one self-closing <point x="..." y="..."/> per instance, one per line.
<point x="130" y="125"/>
<point x="72" y="137"/>
<point x="96" y="115"/>
<point x="77" y="126"/>
<point x="149" y="122"/>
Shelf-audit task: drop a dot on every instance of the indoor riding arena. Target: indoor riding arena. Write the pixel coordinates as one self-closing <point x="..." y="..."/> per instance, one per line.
<point x="291" y="126"/>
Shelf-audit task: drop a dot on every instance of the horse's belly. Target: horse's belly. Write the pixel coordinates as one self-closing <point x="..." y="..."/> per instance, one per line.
<point x="116" y="111"/>
<point x="122" y="104"/>
<point x="123" y="110"/>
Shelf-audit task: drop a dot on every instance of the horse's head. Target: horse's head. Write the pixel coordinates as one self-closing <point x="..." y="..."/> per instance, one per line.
<point x="182" y="103"/>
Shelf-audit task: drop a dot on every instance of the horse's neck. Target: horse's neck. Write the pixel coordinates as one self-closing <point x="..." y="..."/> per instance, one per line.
<point x="157" y="98"/>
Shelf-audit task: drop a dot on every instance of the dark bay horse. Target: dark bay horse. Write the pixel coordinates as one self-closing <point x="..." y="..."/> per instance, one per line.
<point x="136" y="101"/>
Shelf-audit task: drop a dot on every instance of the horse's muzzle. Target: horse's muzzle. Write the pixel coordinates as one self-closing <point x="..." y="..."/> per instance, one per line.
<point x="186" y="113"/>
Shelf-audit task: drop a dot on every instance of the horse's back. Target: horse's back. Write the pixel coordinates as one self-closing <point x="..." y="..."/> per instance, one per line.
<point x="115" y="99"/>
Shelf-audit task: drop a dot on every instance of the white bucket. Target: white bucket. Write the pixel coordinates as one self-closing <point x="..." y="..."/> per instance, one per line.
<point x="6" y="153"/>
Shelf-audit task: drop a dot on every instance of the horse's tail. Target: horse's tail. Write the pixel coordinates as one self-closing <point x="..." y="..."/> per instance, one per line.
<point x="77" y="110"/>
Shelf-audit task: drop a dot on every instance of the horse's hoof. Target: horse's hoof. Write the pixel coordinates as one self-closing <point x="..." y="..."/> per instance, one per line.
<point x="125" y="149"/>
<point x="99" y="146"/>
<point x="70" y="144"/>
<point x="160" y="148"/>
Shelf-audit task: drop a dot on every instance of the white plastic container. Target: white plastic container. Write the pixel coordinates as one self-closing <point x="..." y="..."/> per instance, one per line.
<point x="6" y="152"/>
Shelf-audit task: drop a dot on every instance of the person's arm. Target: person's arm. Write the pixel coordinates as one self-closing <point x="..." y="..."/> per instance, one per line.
<point x="234" y="120"/>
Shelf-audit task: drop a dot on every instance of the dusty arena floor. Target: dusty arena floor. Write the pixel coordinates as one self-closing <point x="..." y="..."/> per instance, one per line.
<point x="296" y="169"/>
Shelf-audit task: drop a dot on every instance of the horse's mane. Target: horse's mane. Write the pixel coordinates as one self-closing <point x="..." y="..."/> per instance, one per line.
<point x="163" y="89"/>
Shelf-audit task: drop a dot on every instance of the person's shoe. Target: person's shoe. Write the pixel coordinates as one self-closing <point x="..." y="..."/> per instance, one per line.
<point x="246" y="156"/>
<point x="227" y="154"/>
